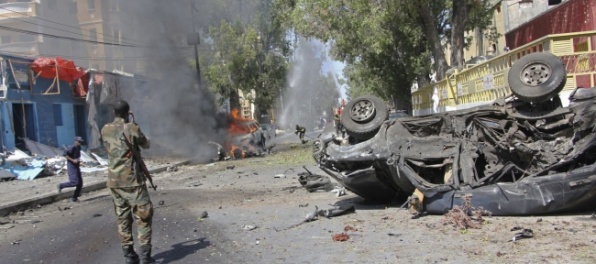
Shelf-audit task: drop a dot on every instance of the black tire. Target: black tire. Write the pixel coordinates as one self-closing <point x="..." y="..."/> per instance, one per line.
<point x="363" y="116"/>
<point x="318" y="150"/>
<point x="537" y="77"/>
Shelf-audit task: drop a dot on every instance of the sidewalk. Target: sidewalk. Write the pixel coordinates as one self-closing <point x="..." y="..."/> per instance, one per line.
<point x="20" y="195"/>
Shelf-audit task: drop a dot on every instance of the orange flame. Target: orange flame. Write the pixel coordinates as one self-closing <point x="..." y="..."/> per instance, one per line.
<point x="239" y="126"/>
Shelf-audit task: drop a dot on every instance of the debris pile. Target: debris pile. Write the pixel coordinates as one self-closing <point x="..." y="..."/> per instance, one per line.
<point x="315" y="182"/>
<point x="44" y="161"/>
<point x="465" y="216"/>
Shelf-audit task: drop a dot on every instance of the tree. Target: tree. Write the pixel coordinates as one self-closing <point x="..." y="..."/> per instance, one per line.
<point x="249" y="56"/>
<point x="390" y="43"/>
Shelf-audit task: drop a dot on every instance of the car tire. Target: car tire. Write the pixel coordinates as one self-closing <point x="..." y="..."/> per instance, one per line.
<point x="318" y="150"/>
<point x="537" y="77"/>
<point x="363" y="116"/>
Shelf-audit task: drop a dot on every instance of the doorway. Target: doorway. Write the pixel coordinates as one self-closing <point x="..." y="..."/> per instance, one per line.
<point x="24" y="124"/>
<point x="80" y="121"/>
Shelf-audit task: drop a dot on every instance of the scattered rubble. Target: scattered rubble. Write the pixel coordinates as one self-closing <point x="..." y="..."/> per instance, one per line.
<point x="465" y="216"/>
<point x="43" y="161"/>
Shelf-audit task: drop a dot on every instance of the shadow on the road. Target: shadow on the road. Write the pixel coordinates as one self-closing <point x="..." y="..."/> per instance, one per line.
<point x="362" y="204"/>
<point x="181" y="250"/>
<point x="96" y="198"/>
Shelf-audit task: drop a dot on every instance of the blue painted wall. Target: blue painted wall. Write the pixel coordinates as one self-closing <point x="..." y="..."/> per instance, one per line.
<point x="47" y="131"/>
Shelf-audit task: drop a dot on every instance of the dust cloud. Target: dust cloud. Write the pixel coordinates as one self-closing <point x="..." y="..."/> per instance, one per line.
<point x="180" y="116"/>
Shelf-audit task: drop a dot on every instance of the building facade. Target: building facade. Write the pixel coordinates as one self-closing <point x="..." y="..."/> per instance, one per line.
<point x="36" y="108"/>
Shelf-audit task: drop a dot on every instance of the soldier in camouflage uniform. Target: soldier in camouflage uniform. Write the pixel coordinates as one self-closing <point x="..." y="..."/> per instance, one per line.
<point x="127" y="184"/>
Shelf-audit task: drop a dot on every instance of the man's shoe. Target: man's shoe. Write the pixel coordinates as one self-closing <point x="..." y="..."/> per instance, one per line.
<point x="59" y="189"/>
<point x="146" y="255"/>
<point x="130" y="255"/>
<point x="74" y="200"/>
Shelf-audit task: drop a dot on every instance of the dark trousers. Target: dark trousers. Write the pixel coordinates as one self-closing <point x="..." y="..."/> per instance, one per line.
<point x="74" y="180"/>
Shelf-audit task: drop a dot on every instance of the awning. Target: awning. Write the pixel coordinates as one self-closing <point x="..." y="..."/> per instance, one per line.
<point x="51" y="68"/>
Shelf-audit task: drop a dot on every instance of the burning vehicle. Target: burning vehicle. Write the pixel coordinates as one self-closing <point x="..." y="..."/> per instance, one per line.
<point x="524" y="154"/>
<point x="245" y="137"/>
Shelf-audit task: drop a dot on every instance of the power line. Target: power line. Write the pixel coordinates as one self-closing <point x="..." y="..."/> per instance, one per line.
<point x="25" y="21"/>
<point x="64" y="37"/>
<point x="40" y="18"/>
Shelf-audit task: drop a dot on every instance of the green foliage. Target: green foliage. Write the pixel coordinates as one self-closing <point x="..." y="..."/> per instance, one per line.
<point x="388" y="44"/>
<point x="249" y="54"/>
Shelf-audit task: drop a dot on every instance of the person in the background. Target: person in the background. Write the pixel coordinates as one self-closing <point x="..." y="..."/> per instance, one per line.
<point x="73" y="165"/>
<point x="300" y="132"/>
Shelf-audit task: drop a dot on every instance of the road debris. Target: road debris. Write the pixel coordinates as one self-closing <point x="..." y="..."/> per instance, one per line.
<point x="465" y="216"/>
<point x="162" y="202"/>
<point x="349" y="228"/>
<point x="337" y="211"/>
<point x="341" y="237"/>
<point x="248" y="227"/>
<point x="204" y="214"/>
<point x="526" y="233"/>
<point x="315" y="182"/>
<point x="312" y="216"/>
<point x="97" y="215"/>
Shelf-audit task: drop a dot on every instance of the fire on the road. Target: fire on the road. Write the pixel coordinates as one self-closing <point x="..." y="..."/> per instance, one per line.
<point x="241" y="136"/>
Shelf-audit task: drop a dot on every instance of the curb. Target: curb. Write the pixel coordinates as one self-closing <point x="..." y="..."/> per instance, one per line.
<point x="50" y="198"/>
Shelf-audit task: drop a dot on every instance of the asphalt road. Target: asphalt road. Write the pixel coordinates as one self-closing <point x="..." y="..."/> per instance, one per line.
<point x="263" y="192"/>
<point x="85" y="232"/>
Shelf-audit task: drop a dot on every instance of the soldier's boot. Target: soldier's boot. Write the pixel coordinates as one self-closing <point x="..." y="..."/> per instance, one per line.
<point x="130" y="255"/>
<point x="146" y="255"/>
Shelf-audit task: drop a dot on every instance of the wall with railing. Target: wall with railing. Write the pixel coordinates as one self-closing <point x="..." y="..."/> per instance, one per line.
<point x="487" y="81"/>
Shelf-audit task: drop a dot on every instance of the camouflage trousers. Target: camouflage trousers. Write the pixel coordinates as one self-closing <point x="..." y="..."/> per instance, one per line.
<point x="129" y="203"/>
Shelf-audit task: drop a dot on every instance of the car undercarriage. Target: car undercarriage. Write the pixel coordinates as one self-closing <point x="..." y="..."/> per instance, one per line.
<point x="512" y="157"/>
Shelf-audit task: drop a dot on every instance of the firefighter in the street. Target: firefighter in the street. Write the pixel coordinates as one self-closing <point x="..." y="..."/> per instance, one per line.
<point x="300" y="132"/>
<point x="127" y="183"/>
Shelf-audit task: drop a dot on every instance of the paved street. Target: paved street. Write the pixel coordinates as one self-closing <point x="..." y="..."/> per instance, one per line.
<point x="240" y="193"/>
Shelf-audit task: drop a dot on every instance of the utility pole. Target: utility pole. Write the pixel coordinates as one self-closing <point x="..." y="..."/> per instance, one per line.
<point x="194" y="39"/>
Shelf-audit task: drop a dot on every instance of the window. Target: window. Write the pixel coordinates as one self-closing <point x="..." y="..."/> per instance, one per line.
<point x="57" y="114"/>
<point x="90" y="5"/>
<point x="117" y="35"/>
<point x="21" y="77"/>
<point x="93" y="35"/>
<point x="5" y="39"/>
<point x="26" y="38"/>
<point x="72" y="7"/>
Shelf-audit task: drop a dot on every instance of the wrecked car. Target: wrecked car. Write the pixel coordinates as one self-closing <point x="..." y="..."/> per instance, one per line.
<point x="524" y="154"/>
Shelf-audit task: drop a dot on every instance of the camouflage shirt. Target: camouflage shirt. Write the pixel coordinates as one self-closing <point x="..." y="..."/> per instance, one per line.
<point x="121" y="173"/>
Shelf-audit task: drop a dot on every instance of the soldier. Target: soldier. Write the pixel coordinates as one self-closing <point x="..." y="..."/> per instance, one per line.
<point x="73" y="166"/>
<point x="127" y="183"/>
<point x="300" y="132"/>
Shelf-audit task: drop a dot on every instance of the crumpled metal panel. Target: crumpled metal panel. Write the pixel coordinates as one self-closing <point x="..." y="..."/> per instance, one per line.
<point x="511" y="158"/>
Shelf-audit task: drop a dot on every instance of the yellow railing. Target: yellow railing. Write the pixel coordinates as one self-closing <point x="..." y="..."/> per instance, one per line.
<point x="487" y="81"/>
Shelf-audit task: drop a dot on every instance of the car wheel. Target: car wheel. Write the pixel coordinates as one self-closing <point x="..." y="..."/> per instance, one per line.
<point x="318" y="150"/>
<point x="537" y="77"/>
<point x="363" y="116"/>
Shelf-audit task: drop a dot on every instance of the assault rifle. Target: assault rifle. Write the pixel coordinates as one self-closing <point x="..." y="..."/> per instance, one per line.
<point x="137" y="157"/>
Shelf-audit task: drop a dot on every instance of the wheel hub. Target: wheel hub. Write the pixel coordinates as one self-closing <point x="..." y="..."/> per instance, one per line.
<point x="362" y="111"/>
<point x="535" y="74"/>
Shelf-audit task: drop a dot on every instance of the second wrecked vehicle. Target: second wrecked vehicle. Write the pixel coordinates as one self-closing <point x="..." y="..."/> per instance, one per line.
<point x="522" y="155"/>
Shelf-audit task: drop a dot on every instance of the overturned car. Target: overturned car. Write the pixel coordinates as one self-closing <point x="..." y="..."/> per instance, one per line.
<point x="521" y="155"/>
